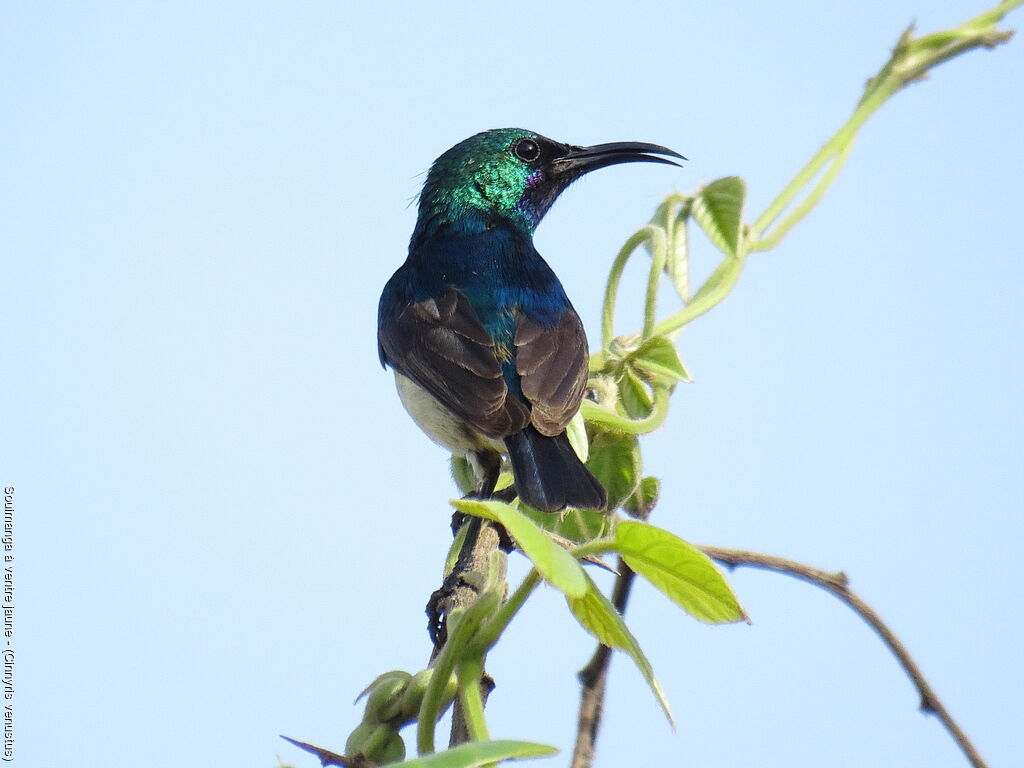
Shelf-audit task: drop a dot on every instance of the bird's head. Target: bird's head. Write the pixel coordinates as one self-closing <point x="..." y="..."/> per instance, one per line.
<point x="512" y="176"/>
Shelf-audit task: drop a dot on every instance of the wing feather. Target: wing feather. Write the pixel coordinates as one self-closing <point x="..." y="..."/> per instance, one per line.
<point x="441" y="345"/>
<point x="552" y="365"/>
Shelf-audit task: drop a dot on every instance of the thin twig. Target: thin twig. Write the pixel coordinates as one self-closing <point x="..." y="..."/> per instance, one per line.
<point x="838" y="585"/>
<point x="460" y="727"/>
<point x="328" y="758"/>
<point x="593" y="678"/>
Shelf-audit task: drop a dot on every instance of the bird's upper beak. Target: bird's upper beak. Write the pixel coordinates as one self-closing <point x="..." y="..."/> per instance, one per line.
<point x="580" y="160"/>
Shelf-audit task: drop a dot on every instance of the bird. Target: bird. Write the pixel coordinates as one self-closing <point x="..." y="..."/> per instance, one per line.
<point x="489" y="356"/>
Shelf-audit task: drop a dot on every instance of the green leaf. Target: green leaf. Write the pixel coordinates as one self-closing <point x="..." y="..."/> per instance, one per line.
<point x="476" y="753"/>
<point x="671" y="217"/>
<point x="718" y="208"/>
<point x="680" y="570"/>
<point x="601" y="418"/>
<point x="634" y="395"/>
<point x="576" y="431"/>
<point x="552" y="562"/>
<point x="582" y="525"/>
<point x="659" y="219"/>
<point x="505" y="479"/>
<point x="599" y="617"/>
<point x="715" y="288"/>
<point x="658" y="359"/>
<point x="577" y="525"/>
<point x="644" y="498"/>
<point x="463" y="474"/>
<point x="678" y="263"/>
<point x="452" y="557"/>
<point x="615" y="462"/>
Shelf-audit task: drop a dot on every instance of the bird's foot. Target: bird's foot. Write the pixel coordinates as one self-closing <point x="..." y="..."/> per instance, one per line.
<point x="437" y="625"/>
<point x="460" y="588"/>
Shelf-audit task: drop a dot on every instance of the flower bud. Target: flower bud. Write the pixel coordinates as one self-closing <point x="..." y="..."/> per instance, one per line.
<point x="413" y="696"/>
<point x="392" y="750"/>
<point x="377" y="742"/>
<point x="385" y="701"/>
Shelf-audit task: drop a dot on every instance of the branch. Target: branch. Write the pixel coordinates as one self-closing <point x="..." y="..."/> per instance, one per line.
<point x="593" y="677"/>
<point x="328" y="758"/>
<point x="460" y="590"/>
<point x="838" y="585"/>
<point x="462" y="586"/>
<point x="910" y="61"/>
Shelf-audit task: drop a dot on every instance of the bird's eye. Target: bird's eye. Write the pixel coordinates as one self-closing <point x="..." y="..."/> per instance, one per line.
<point x="527" y="149"/>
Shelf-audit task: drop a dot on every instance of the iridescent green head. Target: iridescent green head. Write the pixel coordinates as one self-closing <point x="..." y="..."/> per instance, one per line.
<point x="511" y="176"/>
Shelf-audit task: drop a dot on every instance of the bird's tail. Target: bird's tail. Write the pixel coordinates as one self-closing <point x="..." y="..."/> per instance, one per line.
<point x="549" y="475"/>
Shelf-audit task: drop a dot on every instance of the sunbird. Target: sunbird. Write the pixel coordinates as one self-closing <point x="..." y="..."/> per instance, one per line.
<point x="490" y="358"/>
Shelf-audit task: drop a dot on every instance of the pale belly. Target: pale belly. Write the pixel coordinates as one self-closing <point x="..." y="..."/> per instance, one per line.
<point x="440" y="424"/>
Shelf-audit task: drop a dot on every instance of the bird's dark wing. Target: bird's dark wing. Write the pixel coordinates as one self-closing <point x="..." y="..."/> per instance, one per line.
<point x="441" y="345"/>
<point x="552" y="366"/>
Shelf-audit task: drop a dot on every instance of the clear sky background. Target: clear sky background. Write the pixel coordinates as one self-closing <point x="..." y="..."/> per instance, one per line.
<point x="226" y="523"/>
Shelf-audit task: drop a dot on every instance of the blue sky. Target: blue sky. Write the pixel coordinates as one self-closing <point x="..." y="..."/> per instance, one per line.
<point x="226" y="523"/>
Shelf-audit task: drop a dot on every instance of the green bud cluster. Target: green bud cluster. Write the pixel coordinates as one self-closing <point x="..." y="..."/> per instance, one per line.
<point x="393" y="701"/>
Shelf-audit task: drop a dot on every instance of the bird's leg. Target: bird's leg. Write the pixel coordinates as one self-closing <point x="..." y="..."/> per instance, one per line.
<point x="456" y="589"/>
<point x="487" y="468"/>
<point x="442" y="601"/>
<point x="461" y="589"/>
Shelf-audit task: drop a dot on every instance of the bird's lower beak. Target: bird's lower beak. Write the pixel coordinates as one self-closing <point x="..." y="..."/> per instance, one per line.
<point x="580" y="160"/>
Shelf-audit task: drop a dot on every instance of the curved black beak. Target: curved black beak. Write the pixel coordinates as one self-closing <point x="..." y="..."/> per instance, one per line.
<point x="580" y="160"/>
